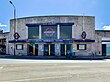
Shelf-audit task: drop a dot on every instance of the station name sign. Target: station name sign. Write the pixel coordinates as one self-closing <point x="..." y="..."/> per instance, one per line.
<point x="46" y="40"/>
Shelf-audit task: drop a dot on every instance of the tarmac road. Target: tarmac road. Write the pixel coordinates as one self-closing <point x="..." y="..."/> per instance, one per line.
<point x="16" y="70"/>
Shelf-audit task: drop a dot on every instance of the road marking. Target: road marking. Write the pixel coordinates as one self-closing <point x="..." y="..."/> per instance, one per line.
<point x="24" y="80"/>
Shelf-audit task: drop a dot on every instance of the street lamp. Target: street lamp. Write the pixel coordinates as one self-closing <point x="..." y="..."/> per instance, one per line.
<point x="14" y="21"/>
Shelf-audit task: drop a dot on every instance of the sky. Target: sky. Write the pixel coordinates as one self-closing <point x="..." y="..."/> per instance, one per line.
<point x="25" y="8"/>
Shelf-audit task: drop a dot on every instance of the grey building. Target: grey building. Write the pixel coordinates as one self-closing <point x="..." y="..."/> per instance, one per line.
<point x="53" y="35"/>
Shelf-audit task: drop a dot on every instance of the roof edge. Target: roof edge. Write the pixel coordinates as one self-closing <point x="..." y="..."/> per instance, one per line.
<point x="53" y="16"/>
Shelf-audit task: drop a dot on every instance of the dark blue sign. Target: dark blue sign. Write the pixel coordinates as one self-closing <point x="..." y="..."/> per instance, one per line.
<point x="46" y="40"/>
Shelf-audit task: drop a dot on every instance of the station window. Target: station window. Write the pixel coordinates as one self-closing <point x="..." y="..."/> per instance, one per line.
<point x="81" y="46"/>
<point x="19" y="46"/>
<point x="33" y="32"/>
<point x="65" y="32"/>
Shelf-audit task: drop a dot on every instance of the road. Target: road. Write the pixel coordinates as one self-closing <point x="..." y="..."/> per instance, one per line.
<point x="16" y="70"/>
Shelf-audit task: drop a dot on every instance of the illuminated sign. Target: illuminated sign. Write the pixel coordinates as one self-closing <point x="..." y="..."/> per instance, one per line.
<point x="49" y="32"/>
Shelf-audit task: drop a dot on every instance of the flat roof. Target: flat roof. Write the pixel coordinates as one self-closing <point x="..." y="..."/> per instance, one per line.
<point x="54" y="16"/>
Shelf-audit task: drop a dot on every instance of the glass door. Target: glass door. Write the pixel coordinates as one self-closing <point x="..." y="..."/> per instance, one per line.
<point x="36" y="49"/>
<point x="62" y="48"/>
<point x="30" y="49"/>
<point x="46" y="49"/>
<point x="68" y="49"/>
<point x="52" y="49"/>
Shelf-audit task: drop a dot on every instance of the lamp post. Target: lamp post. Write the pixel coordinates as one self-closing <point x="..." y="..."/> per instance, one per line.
<point x="14" y="22"/>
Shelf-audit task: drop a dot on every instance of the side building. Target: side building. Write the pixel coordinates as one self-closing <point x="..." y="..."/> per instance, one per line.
<point x="103" y="42"/>
<point x="53" y="36"/>
<point x="3" y="42"/>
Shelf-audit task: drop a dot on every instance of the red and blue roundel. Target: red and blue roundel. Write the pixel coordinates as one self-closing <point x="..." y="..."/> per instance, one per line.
<point x="49" y="32"/>
<point x="16" y="35"/>
<point x="83" y="35"/>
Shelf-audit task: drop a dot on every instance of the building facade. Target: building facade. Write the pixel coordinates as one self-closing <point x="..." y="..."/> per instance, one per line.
<point x="53" y="36"/>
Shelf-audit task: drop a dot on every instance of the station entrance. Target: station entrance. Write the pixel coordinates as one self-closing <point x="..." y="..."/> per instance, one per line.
<point x="50" y="49"/>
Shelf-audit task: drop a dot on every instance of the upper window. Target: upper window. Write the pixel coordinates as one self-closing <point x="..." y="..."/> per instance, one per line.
<point x="33" y="32"/>
<point x="65" y="32"/>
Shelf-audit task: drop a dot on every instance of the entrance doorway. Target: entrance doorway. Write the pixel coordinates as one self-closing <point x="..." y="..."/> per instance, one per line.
<point x="30" y="50"/>
<point x="52" y="49"/>
<point x="103" y="49"/>
<point x="62" y="48"/>
<point x="36" y="49"/>
<point x="46" y="49"/>
<point x="68" y="49"/>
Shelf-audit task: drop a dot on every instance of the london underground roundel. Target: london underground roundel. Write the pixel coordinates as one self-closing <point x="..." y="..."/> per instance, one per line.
<point x="16" y="35"/>
<point x="49" y="32"/>
<point x="83" y="35"/>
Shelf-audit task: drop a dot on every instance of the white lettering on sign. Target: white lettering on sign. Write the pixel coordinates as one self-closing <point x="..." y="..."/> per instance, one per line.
<point x="49" y="31"/>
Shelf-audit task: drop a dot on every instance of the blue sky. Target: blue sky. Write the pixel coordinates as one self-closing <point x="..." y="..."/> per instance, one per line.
<point x="98" y="8"/>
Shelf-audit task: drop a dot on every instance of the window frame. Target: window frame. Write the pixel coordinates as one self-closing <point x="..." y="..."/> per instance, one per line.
<point x="30" y="31"/>
<point x="62" y="30"/>
<point x="80" y="48"/>
<point x="19" y="45"/>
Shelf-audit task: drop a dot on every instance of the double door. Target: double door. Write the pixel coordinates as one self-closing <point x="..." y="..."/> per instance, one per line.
<point x="66" y="49"/>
